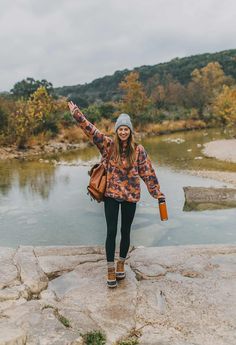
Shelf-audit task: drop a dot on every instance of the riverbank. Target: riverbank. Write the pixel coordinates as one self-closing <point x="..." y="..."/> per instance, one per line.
<point x="38" y="150"/>
<point x="224" y="150"/>
<point x="223" y="176"/>
<point x="73" y="138"/>
<point x="171" y="295"/>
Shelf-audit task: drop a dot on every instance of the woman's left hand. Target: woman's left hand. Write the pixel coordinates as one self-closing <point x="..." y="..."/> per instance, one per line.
<point x="160" y="195"/>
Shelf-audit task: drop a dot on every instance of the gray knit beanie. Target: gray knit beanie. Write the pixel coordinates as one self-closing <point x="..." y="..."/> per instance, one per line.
<point x="124" y="120"/>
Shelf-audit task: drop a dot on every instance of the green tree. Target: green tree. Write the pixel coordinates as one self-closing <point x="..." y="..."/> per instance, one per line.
<point x="3" y="119"/>
<point x="107" y="110"/>
<point x="93" y="113"/>
<point x="26" y="87"/>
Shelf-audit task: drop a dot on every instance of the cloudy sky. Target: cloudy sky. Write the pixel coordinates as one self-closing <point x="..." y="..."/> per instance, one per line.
<point x="71" y="42"/>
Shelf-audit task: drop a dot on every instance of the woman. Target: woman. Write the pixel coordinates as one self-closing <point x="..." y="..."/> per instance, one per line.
<point x="125" y="162"/>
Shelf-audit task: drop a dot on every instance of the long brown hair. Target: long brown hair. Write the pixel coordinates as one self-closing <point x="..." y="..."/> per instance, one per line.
<point x="130" y="150"/>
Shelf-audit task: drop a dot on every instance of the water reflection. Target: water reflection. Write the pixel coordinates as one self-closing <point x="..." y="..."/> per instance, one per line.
<point x="87" y="154"/>
<point x="6" y="178"/>
<point x="193" y="206"/>
<point x="31" y="177"/>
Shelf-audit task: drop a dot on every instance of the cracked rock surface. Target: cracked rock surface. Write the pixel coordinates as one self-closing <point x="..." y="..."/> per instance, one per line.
<point x="183" y="295"/>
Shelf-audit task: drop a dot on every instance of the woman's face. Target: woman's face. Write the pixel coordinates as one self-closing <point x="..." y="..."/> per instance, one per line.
<point x="123" y="133"/>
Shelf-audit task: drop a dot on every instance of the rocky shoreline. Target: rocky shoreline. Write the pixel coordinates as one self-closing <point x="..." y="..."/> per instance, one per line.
<point x="172" y="295"/>
<point x="223" y="176"/>
<point x="39" y="150"/>
<point x="224" y="150"/>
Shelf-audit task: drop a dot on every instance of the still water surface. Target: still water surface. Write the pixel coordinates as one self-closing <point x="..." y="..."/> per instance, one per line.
<point x="43" y="204"/>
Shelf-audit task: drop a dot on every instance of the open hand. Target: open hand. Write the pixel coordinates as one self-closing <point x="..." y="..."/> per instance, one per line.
<point x="73" y="106"/>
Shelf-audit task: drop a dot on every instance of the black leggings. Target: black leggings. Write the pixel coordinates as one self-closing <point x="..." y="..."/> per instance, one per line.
<point x="127" y="215"/>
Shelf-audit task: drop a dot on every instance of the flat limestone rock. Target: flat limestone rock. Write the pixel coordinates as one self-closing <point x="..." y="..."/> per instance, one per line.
<point x="201" y="198"/>
<point x="55" y="265"/>
<point x="11" y="335"/>
<point x="8" y="271"/>
<point x="10" y="304"/>
<point x="31" y="273"/>
<point x="41" y="323"/>
<point x="165" y="257"/>
<point x="148" y="270"/>
<point x="67" y="250"/>
<point x="197" y="309"/>
<point x="9" y="294"/>
<point x="186" y="296"/>
<point x="86" y="301"/>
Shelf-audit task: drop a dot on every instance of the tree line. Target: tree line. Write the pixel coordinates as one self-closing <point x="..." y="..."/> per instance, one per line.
<point x="178" y="69"/>
<point x="33" y="108"/>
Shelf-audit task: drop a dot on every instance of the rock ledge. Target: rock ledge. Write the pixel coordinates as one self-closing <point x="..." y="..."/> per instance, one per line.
<point x="183" y="295"/>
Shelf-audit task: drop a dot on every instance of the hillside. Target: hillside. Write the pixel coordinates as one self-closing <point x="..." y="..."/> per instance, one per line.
<point x="106" y="88"/>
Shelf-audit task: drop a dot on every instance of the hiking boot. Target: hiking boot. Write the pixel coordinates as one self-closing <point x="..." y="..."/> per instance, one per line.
<point x="120" y="270"/>
<point x="111" y="277"/>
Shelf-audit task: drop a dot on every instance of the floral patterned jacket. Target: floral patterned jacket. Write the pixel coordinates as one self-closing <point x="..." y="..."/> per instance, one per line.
<point x="123" y="182"/>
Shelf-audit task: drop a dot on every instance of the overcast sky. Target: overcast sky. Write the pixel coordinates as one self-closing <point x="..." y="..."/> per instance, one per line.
<point x="71" y="42"/>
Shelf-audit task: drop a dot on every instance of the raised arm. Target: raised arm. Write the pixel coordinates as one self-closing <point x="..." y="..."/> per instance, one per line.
<point x="102" y="141"/>
<point x="147" y="173"/>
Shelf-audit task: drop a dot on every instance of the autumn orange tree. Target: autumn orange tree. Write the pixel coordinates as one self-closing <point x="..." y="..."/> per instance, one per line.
<point x="134" y="100"/>
<point x="224" y="105"/>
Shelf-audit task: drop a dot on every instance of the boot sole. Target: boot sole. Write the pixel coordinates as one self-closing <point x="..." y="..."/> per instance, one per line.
<point x="120" y="277"/>
<point x="112" y="285"/>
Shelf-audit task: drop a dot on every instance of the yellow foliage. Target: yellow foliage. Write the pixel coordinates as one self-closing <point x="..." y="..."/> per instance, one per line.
<point x="106" y="126"/>
<point x="224" y="105"/>
<point x="172" y="126"/>
<point x="206" y="83"/>
<point x="72" y="135"/>
<point x="210" y="77"/>
<point x="29" y="115"/>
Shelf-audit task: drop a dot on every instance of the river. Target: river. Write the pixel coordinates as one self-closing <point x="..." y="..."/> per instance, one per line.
<point x="46" y="204"/>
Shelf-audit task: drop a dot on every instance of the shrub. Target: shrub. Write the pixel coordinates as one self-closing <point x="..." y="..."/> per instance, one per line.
<point x="94" y="338"/>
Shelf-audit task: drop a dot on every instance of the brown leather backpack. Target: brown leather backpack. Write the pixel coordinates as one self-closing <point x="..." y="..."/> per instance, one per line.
<point x="98" y="180"/>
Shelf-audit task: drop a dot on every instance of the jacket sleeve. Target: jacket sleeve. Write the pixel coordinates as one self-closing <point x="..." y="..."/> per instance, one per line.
<point x="102" y="141"/>
<point x="147" y="173"/>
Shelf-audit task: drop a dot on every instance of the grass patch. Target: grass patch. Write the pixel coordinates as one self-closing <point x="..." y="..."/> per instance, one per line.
<point x="59" y="317"/>
<point x="129" y="341"/>
<point x="64" y="320"/>
<point x="47" y="306"/>
<point x="94" y="338"/>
